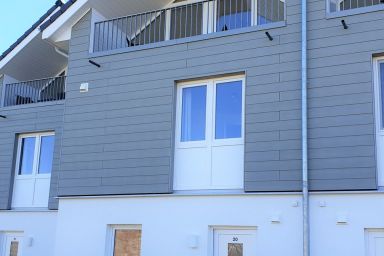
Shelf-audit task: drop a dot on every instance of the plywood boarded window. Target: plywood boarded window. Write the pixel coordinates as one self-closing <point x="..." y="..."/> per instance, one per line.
<point x="127" y="242"/>
<point x="235" y="249"/>
<point x="14" y="248"/>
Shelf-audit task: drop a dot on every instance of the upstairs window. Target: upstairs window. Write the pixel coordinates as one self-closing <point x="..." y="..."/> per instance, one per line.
<point x="379" y="103"/>
<point x="343" y="5"/>
<point x="34" y="162"/>
<point x="209" y="151"/>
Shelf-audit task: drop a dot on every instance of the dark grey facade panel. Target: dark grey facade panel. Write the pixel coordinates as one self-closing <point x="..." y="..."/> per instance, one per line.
<point x="126" y="143"/>
<point x="118" y="137"/>
<point x="342" y="154"/>
<point x="27" y="119"/>
<point x="133" y="93"/>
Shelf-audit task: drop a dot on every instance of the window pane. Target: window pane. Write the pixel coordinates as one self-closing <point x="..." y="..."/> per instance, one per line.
<point x="46" y="154"/>
<point x="269" y="11"/>
<point x="233" y="14"/>
<point x="382" y="93"/>
<point x="228" y="110"/>
<point x="186" y="21"/>
<point x="27" y="153"/>
<point x="127" y="242"/>
<point x="193" y="113"/>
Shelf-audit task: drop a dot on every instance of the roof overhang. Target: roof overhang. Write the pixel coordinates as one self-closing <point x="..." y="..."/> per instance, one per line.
<point x="28" y="57"/>
<point x="60" y="29"/>
<point x="35" y="51"/>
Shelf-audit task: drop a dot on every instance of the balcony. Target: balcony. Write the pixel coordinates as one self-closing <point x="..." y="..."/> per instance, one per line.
<point x="347" y="5"/>
<point x="182" y="20"/>
<point x="29" y="92"/>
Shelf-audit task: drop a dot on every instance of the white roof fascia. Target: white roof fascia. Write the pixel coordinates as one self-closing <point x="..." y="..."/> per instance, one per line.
<point x="60" y="29"/>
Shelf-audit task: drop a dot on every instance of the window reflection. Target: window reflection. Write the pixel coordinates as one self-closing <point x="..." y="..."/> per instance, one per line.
<point x="46" y="154"/>
<point x="228" y="110"/>
<point x="193" y="113"/>
<point x="27" y="153"/>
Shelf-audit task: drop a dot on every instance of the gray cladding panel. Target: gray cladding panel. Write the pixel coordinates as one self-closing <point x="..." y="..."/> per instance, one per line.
<point x="27" y="119"/>
<point x="118" y="137"/>
<point x="342" y="153"/>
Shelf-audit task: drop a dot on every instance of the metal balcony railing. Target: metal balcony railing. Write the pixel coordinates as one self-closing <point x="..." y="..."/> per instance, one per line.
<point x="28" y="92"/>
<point x="185" y="20"/>
<point x="343" y="5"/>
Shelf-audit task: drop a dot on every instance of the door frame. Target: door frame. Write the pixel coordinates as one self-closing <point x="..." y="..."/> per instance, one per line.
<point x="369" y="233"/>
<point x="378" y="102"/>
<point x="214" y="229"/>
<point x="35" y="175"/>
<point x="8" y="237"/>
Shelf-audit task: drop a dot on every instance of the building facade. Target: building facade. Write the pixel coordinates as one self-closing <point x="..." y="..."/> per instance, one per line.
<point x="148" y="128"/>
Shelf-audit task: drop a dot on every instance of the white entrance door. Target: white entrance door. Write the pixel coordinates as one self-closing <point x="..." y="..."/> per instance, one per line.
<point x="231" y="242"/>
<point x="375" y="243"/>
<point x="12" y="244"/>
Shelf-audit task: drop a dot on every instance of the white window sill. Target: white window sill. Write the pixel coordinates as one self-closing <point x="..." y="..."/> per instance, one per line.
<point x="29" y="209"/>
<point x="356" y="11"/>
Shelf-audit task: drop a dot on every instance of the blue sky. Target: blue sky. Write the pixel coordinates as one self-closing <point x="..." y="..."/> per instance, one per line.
<point x="17" y="16"/>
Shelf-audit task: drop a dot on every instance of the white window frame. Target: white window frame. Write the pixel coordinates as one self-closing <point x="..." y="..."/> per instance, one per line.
<point x="36" y="157"/>
<point x="111" y="230"/>
<point x="210" y="122"/>
<point x="379" y="119"/>
<point x="210" y="143"/>
<point x="35" y="176"/>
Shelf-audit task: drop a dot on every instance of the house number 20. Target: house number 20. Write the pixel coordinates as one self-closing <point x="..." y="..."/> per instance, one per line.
<point x="235" y="239"/>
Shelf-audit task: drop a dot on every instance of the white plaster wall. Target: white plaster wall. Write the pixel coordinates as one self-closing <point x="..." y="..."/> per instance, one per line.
<point x="362" y="211"/>
<point x="41" y="226"/>
<point x="168" y="222"/>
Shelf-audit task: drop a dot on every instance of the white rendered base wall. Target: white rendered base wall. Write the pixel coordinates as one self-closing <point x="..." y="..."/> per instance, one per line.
<point x="339" y="223"/>
<point x="362" y="213"/>
<point x="37" y="229"/>
<point x="169" y="222"/>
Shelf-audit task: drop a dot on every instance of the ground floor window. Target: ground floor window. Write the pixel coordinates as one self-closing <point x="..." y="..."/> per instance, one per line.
<point x="124" y="240"/>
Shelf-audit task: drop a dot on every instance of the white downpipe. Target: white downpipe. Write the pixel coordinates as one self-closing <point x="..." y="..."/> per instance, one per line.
<point x="304" y="128"/>
<point x="61" y="52"/>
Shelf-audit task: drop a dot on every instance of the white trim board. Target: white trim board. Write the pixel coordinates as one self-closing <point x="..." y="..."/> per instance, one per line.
<point x="60" y="29"/>
<point x="378" y="119"/>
